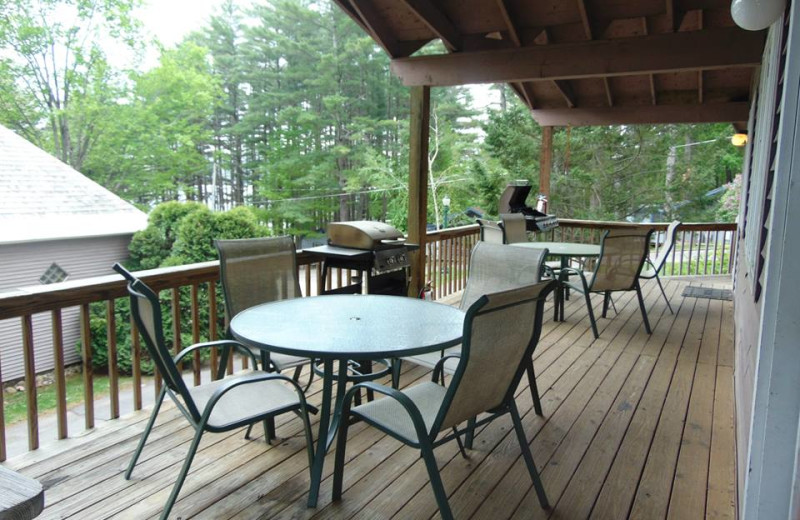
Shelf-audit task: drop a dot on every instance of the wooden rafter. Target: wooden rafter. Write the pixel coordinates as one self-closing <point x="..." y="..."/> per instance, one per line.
<point x="659" y="53"/>
<point x="609" y="92"/>
<point x="377" y="27"/>
<point x="700" y="72"/>
<point x="566" y="91"/>
<point x="512" y="29"/>
<point x="587" y="24"/>
<point x="437" y="22"/>
<point x="706" y="113"/>
<point x="653" y="95"/>
<point x="674" y="15"/>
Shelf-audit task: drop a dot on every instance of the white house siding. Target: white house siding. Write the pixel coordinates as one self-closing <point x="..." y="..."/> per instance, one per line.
<point x="748" y="311"/>
<point x="22" y="265"/>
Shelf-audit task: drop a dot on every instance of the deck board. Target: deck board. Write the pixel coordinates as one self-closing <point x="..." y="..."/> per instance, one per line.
<point x="634" y="425"/>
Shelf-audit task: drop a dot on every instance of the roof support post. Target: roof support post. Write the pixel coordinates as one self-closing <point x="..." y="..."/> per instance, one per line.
<point x="546" y="161"/>
<point x="418" y="183"/>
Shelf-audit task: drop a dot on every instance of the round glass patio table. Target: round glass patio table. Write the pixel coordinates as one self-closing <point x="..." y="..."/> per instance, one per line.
<point x="565" y="250"/>
<point x="342" y="327"/>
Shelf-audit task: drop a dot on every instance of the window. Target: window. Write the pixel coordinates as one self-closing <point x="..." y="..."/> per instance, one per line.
<point x="54" y="274"/>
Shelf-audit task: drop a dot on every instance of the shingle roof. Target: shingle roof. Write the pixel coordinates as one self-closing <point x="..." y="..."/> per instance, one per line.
<point x="42" y="198"/>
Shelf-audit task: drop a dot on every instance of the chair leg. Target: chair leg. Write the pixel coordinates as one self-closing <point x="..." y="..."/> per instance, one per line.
<point x="310" y="376"/>
<point x="537" y="403"/>
<point x="297" y="371"/>
<point x="436" y="481"/>
<point x="269" y="429"/>
<point x="591" y="314"/>
<point x="526" y="454"/>
<point x="469" y="438"/>
<point x="641" y="306"/>
<point x="146" y="432"/>
<point x="606" y="297"/>
<point x="303" y="413"/>
<point x="556" y="299"/>
<point x="460" y="444"/>
<point x="664" y="294"/>
<point x="182" y="475"/>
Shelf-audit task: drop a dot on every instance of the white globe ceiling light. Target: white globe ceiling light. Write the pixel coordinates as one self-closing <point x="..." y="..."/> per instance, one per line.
<point x="755" y="15"/>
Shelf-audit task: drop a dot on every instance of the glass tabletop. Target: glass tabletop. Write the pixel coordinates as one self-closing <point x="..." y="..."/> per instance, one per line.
<point x="563" y="248"/>
<point x="350" y="326"/>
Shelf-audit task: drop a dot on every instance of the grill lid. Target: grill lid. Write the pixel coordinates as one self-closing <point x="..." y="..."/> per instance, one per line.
<point x="363" y="234"/>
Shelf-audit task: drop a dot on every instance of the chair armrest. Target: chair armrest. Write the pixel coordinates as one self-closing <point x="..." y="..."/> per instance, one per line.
<point x="566" y="271"/>
<point x="439" y="367"/>
<point x="221" y="343"/>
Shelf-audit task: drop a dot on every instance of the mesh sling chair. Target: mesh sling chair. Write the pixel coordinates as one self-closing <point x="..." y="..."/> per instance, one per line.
<point x="218" y="406"/>
<point x="622" y="255"/>
<point x="653" y="267"/>
<point x="514" y="228"/>
<point x="497" y="326"/>
<point x="255" y="271"/>
<point x="492" y="268"/>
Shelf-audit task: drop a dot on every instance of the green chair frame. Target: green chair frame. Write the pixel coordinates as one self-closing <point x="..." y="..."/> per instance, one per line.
<point x="658" y="263"/>
<point x="455" y="408"/>
<point x="146" y="310"/>
<point x="629" y="280"/>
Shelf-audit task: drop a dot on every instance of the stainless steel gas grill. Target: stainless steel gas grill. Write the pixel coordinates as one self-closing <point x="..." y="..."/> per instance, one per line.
<point x="374" y="248"/>
<point x="513" y="201"/>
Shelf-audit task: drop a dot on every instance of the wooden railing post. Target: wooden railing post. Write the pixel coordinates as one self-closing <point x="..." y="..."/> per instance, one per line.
<point x="59" y="376"/>
<point x="113" y="368"/>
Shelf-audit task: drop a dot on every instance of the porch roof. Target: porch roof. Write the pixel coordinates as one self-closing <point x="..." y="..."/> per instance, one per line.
<point x="588" y="62"/>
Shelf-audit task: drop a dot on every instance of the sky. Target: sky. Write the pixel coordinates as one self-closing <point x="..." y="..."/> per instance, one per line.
<point x="170" y="21"/>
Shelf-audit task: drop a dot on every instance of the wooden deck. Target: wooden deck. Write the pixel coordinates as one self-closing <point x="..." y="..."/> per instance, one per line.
<point x="634" y="426"/>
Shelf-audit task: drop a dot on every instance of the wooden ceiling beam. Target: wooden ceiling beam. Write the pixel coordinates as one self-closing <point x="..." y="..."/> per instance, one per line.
<point x="345" y="6"/>
<point x="700" y="72"/>
<point x="437" y="22"/>
<point x="658" y="53"/>
<point x="631" y="115"/>
<point x="675" y="15"/>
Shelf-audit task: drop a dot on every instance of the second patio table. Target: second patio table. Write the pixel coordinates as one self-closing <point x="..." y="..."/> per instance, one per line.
<point x="564" y="250"/>
<point x="343" y="327"/>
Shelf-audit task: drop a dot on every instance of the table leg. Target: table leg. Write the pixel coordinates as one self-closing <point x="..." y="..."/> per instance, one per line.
<point x="322" y="436"/>
<point x="341" y="388"/>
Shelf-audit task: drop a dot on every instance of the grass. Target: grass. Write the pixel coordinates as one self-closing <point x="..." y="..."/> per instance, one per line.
<point x="16" y="407"/>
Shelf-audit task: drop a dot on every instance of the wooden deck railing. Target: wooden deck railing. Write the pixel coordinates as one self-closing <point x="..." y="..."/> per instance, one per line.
<point x="448" y="253"/>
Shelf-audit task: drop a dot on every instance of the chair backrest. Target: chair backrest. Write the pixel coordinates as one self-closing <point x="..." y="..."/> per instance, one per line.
<point x="500" y="330"/>
<point x="497" y="267"/>
<point x="257" y="270"/>
<point x="514" y="228"/>
<point x="490" y="231"/>
<point x="666" y="249"/>
<point x="622" y="255"/>
<point x="146" y="311"/>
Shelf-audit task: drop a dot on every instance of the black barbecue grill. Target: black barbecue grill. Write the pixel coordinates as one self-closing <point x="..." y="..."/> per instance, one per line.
<point x="513" y="201"/>
<point x="372" y="248"/>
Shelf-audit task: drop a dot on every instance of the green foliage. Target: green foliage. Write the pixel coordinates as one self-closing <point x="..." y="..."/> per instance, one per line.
<point x="729" y="205"/>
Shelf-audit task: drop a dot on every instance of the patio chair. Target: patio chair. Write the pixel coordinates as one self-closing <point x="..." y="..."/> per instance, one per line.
<point x="654" y="266"/>
<point x="498" y="326"/>
<point x="218" y="406"/>
<point x="514" y="228"/>
<point x="492" y="268"/>
<point x="622" y="255"/>
<point x="490" y="231"/>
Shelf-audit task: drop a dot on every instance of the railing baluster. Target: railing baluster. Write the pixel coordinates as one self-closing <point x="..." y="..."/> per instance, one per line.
<point x="113" y="369"/>
<point x="175" y="300"/>
<point x="88" y="370"/>
<point x="59" y="378"/>
<point x="434" y="262"/>
<point x="683" y="244"/>
<point x="732" y="254"/>
<point x="714" y="261"/>
<point x="195" y="309"/>
<point x="705" y="262"/>
<point x="136" y="361"/>
<point x="307" y="278"/>
<point x="30" y="382"/>
<point x="212" y="327"/>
